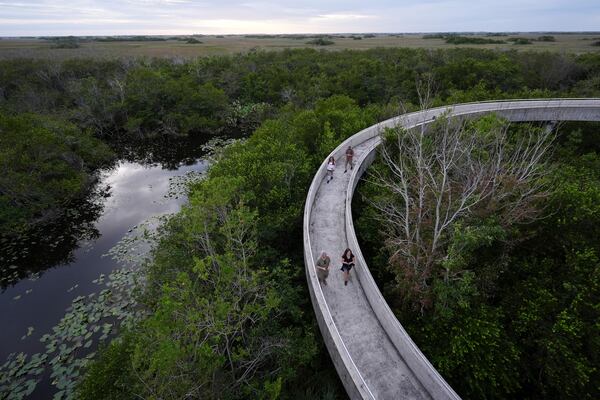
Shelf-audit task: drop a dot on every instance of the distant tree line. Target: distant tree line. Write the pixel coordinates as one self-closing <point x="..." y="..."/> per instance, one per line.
<point x="453" y="38"/>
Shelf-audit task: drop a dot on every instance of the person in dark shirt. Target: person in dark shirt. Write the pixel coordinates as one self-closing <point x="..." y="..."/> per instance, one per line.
<point x="349" y="156"/>
<point x="347" y="264"/>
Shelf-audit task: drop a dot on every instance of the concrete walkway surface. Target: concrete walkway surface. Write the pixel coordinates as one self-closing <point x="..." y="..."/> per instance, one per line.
<point x="373" y="355"/>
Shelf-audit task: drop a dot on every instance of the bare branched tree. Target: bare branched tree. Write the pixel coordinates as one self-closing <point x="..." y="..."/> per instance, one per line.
<point x="444" y="172"/>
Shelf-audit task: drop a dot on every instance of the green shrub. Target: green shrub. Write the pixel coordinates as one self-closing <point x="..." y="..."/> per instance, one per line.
<point x="66" y="44"/>
<point x="159" y="104"/>
<point x="435" y="36"/>
<point x="47" y="163"/>
<point x="520" y="40"/>
<point x="471" y="40"/>
<point x="110" y="375"/>
<point x="546" y="38"/>
<point x="321" y="42"/>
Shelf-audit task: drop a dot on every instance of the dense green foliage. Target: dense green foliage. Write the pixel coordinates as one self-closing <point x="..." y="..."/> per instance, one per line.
<point x="435" y="36"/>
<point x="321" y="42"/>
<point x="66" y="43"/>
<point x="46" y="163"/>
<point x="159" y="104"/>
<point x="141" y="98"/>
<point x="226" y="285"/>
<point x="131" y="39"/>
<point x="546" y="38"/>
<point x="230" y="314"/>
<point x="455" y="39"/>
<point x="520" y="320"/>
<point x="107" y="379"/>
<point x="520" y="40"/>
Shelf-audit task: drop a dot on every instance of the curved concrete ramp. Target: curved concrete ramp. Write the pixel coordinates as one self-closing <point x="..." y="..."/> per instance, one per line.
<point x="374" y="356"/>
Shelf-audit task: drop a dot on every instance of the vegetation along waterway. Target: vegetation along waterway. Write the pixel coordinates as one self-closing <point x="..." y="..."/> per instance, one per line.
<point x="128" y="197"/>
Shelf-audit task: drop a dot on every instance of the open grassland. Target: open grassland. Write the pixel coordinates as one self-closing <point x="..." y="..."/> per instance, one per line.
<point x="217" y="45"/>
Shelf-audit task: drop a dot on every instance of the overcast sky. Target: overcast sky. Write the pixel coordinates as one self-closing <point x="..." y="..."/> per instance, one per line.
<point x="118" y="17"/>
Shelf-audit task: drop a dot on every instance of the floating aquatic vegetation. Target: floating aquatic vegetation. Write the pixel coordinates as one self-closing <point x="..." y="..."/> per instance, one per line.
<point x="69" y="290"/>
<point x="29" y="332"/>
<point x="90" y="320"/>
<point x="8" y="274"/>
<point x="179" y="185"/>
<point x="134" y="248"/>
<point x="16" y="377"/>
<point x="215" y="148"/>
<point x="99" y="280"/>
<point x="34" y="277"/>
<point x="70" y="345"/>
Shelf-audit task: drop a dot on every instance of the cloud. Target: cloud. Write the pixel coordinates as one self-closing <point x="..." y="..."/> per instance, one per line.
<point x="102" y="17"/>
<point x="158" y="2"/>
<point x="342" y="17"/>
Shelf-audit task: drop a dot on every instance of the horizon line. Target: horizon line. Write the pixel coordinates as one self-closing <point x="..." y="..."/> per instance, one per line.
<point x="305" y="33"/>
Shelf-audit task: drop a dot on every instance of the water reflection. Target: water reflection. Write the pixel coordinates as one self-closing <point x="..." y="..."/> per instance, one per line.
<point x="31" y="253"/>
<point x="130" y="194"/>
<point x="167" y="151"/>
<point x="124" y="188"/>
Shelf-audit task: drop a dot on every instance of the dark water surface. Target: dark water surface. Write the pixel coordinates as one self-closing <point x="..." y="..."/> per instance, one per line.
<point x="134" y="193"/>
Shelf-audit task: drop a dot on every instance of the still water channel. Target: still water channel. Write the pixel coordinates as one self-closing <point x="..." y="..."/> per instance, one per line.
<point x="130" y="193"/>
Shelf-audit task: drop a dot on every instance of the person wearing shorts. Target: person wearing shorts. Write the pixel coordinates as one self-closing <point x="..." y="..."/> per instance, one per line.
<point x="347" y="264"/>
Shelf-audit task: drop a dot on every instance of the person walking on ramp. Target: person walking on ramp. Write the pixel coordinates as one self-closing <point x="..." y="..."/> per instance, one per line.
<point x="330" y="168"/>
<point x="323" y="268"/>
<point x="347" y="264"/>
<point x="349" y="156"/>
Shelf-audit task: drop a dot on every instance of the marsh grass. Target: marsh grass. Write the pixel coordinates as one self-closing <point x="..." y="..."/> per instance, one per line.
<point x="230" y="44"/>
